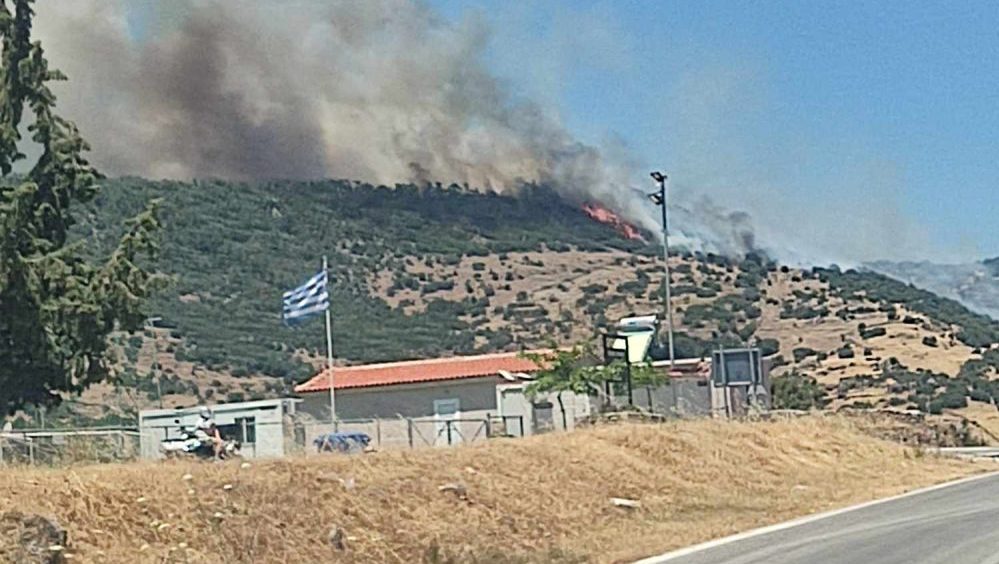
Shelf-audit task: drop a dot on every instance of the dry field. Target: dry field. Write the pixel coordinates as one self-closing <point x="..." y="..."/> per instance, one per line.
<point x="545" y="498"/>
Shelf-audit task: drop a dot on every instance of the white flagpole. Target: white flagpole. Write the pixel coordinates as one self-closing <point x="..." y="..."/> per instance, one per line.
<point x="329" y="350"/>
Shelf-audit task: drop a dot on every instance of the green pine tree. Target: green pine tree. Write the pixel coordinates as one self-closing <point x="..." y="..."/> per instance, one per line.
<point x="57" y="305"/>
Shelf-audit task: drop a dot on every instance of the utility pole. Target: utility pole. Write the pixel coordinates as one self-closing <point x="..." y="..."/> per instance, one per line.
<point x="155" y="365"/>
<point x="659" y="198"/>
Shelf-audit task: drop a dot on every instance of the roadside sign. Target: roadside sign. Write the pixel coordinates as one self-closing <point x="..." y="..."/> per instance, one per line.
<point x="736" y="367"/>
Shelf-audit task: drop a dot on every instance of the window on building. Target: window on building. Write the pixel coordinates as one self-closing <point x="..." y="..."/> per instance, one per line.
<point x="244" y="430"/>
<point x="543" y="419"/>
<point x="247" y="428"/>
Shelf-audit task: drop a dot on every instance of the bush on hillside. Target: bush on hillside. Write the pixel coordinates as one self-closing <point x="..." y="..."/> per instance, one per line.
<point x="746" y="332"/>
<point x="801" y="353"/>
<point x="437" y="286"/>
<point x="803" y="312"/>
<point x="934" y="407"/>
<point x="594" y="289"/>
<point x="860" y="405"/>
<point x="981" y="395"/>
<point x="953" y="400"/>
<point x="685" y="345"/>
<point x="768" y="347"/>
<point x="705" y="292"/>
<point x="873" y="332"/>
<point x="797" y="391"/>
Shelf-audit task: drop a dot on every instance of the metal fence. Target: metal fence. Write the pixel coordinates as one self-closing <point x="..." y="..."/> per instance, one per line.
<point x="58" y="447"/>
<point x="297" y="434"/>
<point x="407" y="433"/>
<point x="68" y="446"/>
<point x="682" y="397"/>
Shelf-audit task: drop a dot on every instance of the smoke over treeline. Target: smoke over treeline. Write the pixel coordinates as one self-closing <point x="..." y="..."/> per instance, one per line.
<point x="383" y="91"/>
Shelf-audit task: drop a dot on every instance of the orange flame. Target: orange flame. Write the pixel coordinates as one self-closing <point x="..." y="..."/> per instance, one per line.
<point x="605" y="216"/>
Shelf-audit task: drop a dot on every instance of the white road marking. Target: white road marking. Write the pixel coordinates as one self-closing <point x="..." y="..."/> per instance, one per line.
<point x="802" y="521"/>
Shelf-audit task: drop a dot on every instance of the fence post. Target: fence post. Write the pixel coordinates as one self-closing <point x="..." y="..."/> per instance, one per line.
<point x="489" y="428"/>
<point x="409" y="431"/>
<point x="449" y="432"/>
<point x="243" y="442"/>
<point x="520" y="420"/>
<point x="378" y="432"/>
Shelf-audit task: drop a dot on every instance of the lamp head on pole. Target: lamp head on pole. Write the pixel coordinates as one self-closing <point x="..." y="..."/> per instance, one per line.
<point x="658" y="176"/>
<point x="656" y="197"/>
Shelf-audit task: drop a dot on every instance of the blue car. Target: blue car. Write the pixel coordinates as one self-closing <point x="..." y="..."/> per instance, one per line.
<point x="342" y="442"/>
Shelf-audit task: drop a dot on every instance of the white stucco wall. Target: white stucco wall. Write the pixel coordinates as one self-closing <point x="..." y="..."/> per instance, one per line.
<point x="268" y="415"/>
<point x="383" y="412"/>
<point x="479" y="398"/>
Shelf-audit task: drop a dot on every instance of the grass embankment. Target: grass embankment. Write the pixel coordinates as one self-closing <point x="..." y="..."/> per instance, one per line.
<point x="539" y="499"/>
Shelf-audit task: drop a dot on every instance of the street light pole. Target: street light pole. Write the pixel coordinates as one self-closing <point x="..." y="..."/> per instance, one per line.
<point x="659" y="198"/>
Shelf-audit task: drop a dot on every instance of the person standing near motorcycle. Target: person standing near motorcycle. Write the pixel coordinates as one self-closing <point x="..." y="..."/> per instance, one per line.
<point x="206" y="430"/>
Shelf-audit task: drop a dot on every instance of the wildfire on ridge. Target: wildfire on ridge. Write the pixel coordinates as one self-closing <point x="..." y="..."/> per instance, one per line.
<point x="605" y="216"/>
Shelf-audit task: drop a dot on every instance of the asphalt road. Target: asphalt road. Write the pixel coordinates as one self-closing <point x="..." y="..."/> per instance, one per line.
<point x="957" y="524"/>
<point x="971" y="452"/>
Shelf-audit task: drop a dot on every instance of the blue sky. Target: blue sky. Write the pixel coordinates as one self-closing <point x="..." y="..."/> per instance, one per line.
<point x="878" y="120"/>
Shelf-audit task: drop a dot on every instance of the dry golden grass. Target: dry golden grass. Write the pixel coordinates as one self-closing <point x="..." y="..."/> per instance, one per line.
<point x="545" y="498"/>
<point x="985" y="416"/>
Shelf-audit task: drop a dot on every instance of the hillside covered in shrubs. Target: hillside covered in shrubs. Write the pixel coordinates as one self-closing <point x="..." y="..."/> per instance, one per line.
<point x="422" y="272"/>
<point x="232" y="249"/>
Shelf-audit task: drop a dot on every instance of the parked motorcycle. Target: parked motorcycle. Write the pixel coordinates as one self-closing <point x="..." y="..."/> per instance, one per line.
<point x="189" y="445"/>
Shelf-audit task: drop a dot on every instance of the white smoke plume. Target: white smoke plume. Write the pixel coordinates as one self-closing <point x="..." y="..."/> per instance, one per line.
<point x="382" y="91"/>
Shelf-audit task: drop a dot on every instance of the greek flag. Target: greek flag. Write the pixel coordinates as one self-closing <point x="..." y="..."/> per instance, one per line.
<point x="309" y="299"/>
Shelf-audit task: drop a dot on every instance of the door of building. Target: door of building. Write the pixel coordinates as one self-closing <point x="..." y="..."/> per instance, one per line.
<point x="446" y="414"/>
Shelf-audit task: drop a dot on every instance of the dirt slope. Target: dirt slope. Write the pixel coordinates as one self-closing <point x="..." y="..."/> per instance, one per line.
<point x="545" y="498"/>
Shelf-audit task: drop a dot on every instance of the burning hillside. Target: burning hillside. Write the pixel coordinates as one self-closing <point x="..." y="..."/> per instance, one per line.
<point x="194" y="86"/>
<point x="604" y="215"/>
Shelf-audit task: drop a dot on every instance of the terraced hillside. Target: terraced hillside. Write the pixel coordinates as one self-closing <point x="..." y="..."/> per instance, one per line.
<point x="436" y="271"/>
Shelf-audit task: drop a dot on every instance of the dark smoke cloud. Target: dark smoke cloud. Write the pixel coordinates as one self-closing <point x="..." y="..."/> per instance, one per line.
<point x="212" y="129"/>
<point x="379" y="90"/>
